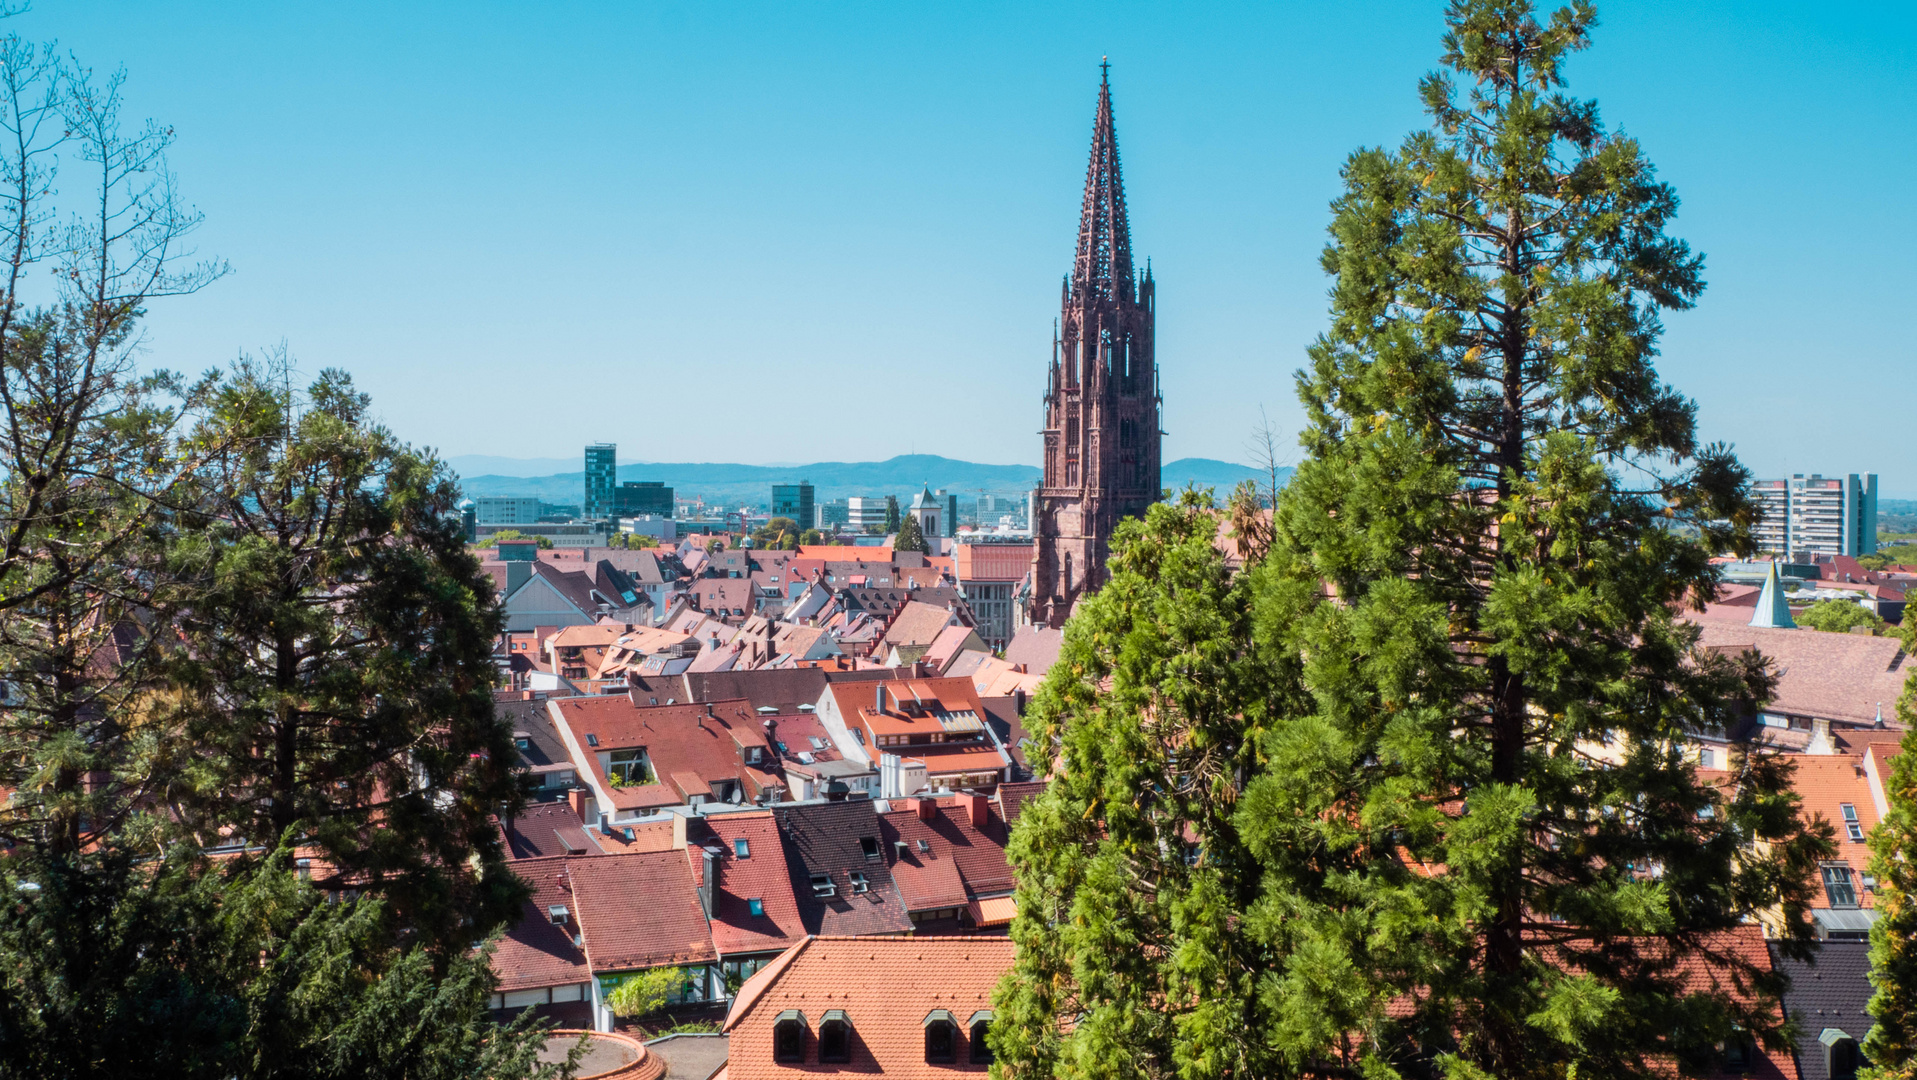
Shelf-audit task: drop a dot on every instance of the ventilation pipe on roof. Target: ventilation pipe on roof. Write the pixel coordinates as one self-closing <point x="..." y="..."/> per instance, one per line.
<point x="878" y="697"/>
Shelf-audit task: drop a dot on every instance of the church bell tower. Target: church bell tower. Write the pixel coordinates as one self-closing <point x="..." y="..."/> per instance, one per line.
<point x="1101" y="395"/>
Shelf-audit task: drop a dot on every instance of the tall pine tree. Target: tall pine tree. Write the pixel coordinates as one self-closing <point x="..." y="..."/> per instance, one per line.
<point x="1447" y="825"/>
<point x="1892" y="1043"/>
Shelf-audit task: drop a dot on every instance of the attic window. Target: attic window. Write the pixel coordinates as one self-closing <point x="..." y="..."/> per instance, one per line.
<point x="788" y="1038"/>
<point x="870" y="844"/>
<point x="941" y="1038"/>
<point x="558" y="914"/>
<point x="835" y="1037"/>
<point x="859" y="884"/>
<point x="925" y="845"/>
<point x="742" y="848"/>
<point x="756" y="906"/>
<point x="591" y="739"/>
<point x="822" y="886"/>
<point x="1852" y="827"/>
<point x="817" y="743"/>
<point x="980" y="1024"/>
<point x="523" y="744"/>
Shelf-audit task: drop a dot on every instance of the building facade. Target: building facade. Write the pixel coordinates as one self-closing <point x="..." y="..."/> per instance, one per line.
<point x="1102" y="453"/>
<point x="863" y="512"/>
<point x="794" y="501"/>
<point x="505" y="510"/>
<point x="929" y="511"/>
<point x="602" y="470"/>
<point x="1807" y="516"/>
<point x="635" y="497"/>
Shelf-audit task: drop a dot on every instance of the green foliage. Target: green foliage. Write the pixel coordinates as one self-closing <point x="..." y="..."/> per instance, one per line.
<point x="811" y="536"/>
<point x="891" y="514"/>
<point x="910" y="537"/>
<point x="115" y="967"/>
<point x="1838" y="616"/>
<point x="1409" y="797"/>
<point x="632" y="541"/>
<point x="545" y="543"/>
<point x="1901" y="554"/>
<point x="646" y="992"/>
<point x="337" y="678"/>
<point x="777" y="534"/>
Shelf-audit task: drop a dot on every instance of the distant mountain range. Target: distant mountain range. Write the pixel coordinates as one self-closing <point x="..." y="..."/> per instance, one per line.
<point x="751" y="484"/>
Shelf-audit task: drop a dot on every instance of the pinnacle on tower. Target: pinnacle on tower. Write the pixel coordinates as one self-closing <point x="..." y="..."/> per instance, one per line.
<point x="1773" y="611"/>
<point x="1104" y="264"/>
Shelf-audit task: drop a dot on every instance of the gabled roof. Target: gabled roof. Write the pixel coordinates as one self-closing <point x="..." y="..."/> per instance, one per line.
<point x="544" y="830"/>
<point x="640" y="911"/>
<point x="947" y="855"/>
<point x="829" y="838"/>
<point x="760" y="875"/>
<point x="991" y="562"/>
<point x="782" y="689"/>
<point x="535" y="951"/>
<point x="886" y="987"/>
<point x="1827" y="783"/>
<point x="1854" y="678"/>
<point x="681" y="741"/>
<point x="1011" y="798"/>
<point x="919" y="623"/>
<point x="1035" y="648"/>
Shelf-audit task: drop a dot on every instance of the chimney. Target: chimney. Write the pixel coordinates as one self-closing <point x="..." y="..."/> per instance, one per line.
<point x="679" y="832"/>
<point x="576" y="799"/>
<point x="1820" y="740"/>
<point x="928" y="808"/>
<point x="878" y="697"/>
<point x="976" y="810"/>
<point x="710" y="881"/>
<point x="1018" y="702"/>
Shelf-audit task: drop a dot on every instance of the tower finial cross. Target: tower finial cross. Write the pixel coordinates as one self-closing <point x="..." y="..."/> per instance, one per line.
<point x="1104" y="69"/>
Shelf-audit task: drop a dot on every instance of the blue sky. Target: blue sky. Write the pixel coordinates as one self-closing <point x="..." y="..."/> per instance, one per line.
<point x="775" y="232"/>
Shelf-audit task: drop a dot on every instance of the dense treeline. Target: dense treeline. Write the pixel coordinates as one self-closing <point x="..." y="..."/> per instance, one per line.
<point x="247" y="743"/>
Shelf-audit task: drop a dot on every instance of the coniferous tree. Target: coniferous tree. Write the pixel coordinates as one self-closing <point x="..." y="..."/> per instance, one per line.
<point x="337" y="670"/>
<point x="1463" y="836"/>
<point x="891" y="513"/>
<point x="910" y="537"/>
<point x="1892" y="1043"/>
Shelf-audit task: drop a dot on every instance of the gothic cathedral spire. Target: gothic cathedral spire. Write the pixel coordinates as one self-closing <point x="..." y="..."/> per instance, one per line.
<point x="1101" y="396"/>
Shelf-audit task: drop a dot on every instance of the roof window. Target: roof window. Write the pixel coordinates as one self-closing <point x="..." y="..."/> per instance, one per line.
<point x="1838" y="887"/>
<point x="1852" y="827"/>
<point x="871" y="846"/>
<point x="822" y="885"/>
<point x="591" y="739"/>
<point x="742" y="848"/>
<point x="557" y="914"/>
<point x="755" y="905"/>
<point x="925" y="845"/>
<point x="859" y="884"/>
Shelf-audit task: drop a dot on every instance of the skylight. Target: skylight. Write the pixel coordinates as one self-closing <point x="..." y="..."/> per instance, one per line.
<point x="742" y="848"/>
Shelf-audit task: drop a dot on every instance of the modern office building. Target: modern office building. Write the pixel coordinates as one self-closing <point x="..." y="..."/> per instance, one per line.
<point x="505" y="510"/>
<point x="863" y="512"/>
<point x="636" y="497"/>
<point x="602" y="472"/>
<point x="833" y="513"/>
<point x="1804" y="517"/>
<point x="794" y="501"/>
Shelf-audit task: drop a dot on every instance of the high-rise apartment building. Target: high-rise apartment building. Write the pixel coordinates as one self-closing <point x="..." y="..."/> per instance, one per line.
<point x="794" y="501"/>
<point x="1807" y="516"/>
<point x="602" y="473"/>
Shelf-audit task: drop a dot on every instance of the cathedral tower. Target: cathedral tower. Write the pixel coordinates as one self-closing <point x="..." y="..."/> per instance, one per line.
<point x="1101" y="396"/>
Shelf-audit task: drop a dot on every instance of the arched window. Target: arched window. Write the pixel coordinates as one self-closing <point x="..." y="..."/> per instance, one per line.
<point x="941" y="1038"/>
<point x="981" y="1023"/>
<point x="835" y="1037"/>
<point x="788" y="1038"/>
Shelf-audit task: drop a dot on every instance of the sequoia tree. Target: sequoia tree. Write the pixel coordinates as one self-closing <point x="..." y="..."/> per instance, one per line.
<point x="337" y="665"/>
<point x="1892" y="1043"/>
<point x="1435" y="798"/>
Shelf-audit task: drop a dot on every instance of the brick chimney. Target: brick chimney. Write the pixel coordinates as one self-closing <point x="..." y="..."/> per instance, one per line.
<point x="576" y="799"/>
<point x="977" y="810"/>
<point x="928" y="809"/>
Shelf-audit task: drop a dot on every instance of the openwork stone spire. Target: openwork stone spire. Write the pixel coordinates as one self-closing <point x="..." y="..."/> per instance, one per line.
<point x="1104" y="263"/>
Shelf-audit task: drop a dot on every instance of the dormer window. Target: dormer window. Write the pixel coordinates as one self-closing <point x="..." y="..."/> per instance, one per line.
<point x="941" y="1038"/>
<point x="835" y="1038"/>
<point x="754" y="755"/>
<point x="788" y="1038"/>
<point x="980" y="1025"/>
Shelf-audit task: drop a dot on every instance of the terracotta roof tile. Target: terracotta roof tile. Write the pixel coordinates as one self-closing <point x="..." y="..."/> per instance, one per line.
<point x="535" y="951"/>
<point x="837" y="840"/>
<point x="1847" y="677"/>
<point x="947" y="858"/>
<point x="640" y="910"/>
<point x="1827" y="784"/>
<point x="760" y="874"/>
<point x="886" y="988"/>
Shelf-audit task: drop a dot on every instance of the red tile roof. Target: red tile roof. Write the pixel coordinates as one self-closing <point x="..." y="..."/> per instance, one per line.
<point x="831" y="838"/>
<point x="1828" y="783"/>
<point x="885" y="986"/>
<point x="536" y="952"/>
<point x="682" y="742"/>
<point x="762" y="875"/>
<point x="1847" y="677"/>
<point x="992" y="562"/>
<point x="954" y="847"/>
<point x="640" y="910"/>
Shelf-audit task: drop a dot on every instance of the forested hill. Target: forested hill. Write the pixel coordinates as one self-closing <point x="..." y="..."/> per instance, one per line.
<point x="750" y="484"/>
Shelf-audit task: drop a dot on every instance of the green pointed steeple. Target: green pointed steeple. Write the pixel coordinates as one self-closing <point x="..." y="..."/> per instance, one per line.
<point x="1772" y="609"/>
